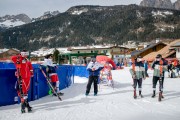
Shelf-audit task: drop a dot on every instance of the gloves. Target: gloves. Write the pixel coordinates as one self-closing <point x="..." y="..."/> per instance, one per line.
<point x="133" y="76"/>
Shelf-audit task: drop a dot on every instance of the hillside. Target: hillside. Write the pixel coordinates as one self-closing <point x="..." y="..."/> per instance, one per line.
<point x="95" y="25"/>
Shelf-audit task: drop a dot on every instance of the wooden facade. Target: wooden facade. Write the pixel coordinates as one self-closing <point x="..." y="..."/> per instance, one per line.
<point x="7" y="54"/>
<point x="116" y="50"/>
<point x="151" y="48"/>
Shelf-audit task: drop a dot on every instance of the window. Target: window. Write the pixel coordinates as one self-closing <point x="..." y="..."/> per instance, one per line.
<point x="96" y="51"/>
<point x="154" y="48"/>
<point x="104" y="51"/>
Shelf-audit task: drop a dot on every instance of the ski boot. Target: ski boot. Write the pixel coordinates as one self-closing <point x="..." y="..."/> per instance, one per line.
<point x="29" y="108"/>
<point x="86" y="94"/>
<point x="23" y="107"/>
<point x="135" y="96"/>
<point x="154" y="94"/>
<point x="140" y="94"/>
<point x="162" y="95"/>
<point x="54" y="94"/>
<point x="95" y="94"/>
<point x="60" y="93"/>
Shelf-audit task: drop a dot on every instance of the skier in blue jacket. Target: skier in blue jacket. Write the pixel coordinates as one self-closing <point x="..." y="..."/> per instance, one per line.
<point x="94" y="69"/>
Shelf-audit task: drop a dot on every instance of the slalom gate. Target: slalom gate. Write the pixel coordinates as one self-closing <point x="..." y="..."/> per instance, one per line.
<point x="38" y="87"/>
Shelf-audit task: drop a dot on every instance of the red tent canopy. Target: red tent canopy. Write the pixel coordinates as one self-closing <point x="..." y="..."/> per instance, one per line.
<point x="104" y="59"/>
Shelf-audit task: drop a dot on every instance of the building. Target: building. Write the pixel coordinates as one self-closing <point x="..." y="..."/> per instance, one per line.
<point x="154" y="47"/>
<point x="5" y="54"/>
<point x="81" y="54"/>
<point x="166" y="52"/>
<point x="176" y="47"/>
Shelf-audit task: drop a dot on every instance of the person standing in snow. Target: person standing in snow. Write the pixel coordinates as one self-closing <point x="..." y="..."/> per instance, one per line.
<point x="170" y="68"/>
<point x="138" y="74"/>
<point x="146" y="68"/>
<point x="24" y="73"/>
<point x="157" y="75"/>
<point x="51" y="72"/>
<point x="94" y="69"/>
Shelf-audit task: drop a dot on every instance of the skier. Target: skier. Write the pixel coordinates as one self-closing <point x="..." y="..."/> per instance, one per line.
<point x="159" y="66"/>
<point x="138" y="74"/>
<point x="51" y="72"/>
<point x="24" y="73"/>
<point x="94" y="69"/>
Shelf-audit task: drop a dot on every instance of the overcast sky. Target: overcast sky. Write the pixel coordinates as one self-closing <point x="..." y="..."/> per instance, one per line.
<point x="36" y="8"/>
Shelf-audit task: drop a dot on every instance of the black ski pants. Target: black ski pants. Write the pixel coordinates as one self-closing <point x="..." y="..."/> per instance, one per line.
<point x="92" y="79"/>
<point x="161" y="83"/>
<point x="139" y="83"/>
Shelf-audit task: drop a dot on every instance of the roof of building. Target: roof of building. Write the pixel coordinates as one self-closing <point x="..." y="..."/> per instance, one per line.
<point x="176" y="44"/>
<point x="137" y="52"/>
<point x="165" y="52"/>
<point x="5" y="50"/>
<point x="96" y="47"/>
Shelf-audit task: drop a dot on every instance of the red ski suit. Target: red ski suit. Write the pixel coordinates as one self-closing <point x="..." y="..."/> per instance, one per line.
<point x="26" y="71"/>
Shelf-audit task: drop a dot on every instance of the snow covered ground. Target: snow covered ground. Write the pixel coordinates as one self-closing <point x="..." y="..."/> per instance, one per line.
<point x="110" y="104"/>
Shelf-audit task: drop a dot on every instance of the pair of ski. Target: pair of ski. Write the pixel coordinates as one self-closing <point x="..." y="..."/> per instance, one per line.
<point x="50" y="85"/>
<point x="160" y="80"/>
<point x="19" y="80"/>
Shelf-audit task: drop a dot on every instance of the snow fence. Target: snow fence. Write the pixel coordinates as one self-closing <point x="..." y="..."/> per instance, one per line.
<point x="38" y="88"/>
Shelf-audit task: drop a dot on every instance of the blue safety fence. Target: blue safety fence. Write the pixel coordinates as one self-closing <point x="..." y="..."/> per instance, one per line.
<point x="6" y="65"/>
<point x="38" y="88"/>
<point x="80" y="71"/>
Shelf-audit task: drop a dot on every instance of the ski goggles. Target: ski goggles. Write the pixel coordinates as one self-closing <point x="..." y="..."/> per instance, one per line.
<point x="158" y="59"/>
<point x="24" y="53"/>
<point x="139" y="59"/>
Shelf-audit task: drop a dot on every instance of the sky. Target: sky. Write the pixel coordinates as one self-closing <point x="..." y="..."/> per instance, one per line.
<point x="36" y="8"/>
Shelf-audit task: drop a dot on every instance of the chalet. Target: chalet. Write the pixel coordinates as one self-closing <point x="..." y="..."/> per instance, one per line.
<point x="154" y="47"/>
<point x="5" y="54"/>
<point x="176" y="46"/>
<point x="166" y="52"/>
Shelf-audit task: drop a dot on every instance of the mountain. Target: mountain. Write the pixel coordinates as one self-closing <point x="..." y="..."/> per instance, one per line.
<point x="87" y="25"/>
<point x="157" y="4"/>
<point x="177" y="5"/>
<point x="46" y="15"/>
<point x="8" y="21"/>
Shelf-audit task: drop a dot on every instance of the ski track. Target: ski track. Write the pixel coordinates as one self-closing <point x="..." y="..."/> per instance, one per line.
<point x="110" y="104"/>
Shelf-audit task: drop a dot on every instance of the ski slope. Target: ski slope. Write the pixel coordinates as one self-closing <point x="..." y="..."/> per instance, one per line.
<point x="110" y="104"/>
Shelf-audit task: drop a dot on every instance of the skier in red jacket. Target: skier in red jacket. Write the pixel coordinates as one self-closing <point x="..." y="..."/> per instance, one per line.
<point x="24" y="73"/>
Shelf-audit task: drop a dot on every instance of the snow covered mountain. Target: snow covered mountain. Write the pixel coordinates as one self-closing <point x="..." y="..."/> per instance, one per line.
<point x="92" y="25"/>
<point x="46" y="15"/>
<point x="8" y="21"/>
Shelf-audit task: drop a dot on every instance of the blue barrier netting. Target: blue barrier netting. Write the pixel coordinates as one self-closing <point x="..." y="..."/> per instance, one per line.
<point x="38" y="88"/>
